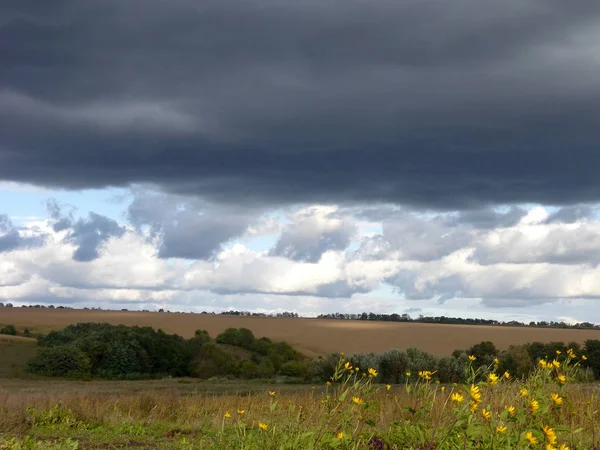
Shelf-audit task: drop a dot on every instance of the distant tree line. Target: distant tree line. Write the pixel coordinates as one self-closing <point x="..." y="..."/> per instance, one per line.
<point x="256" y="314"/>
<point x="10" y="305"/>
<point x="394" y="317"/>
<point x="456" y="320"/>
<point x="88" y="350"/>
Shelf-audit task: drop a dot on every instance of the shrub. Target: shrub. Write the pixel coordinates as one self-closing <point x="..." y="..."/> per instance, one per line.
<point x="322" y="369"/>
<point x="485" y="352"/>
<point x="9" y="329"/>
<point x="393" y="366"/>
<point x="450" y="370"/>
<point x="294" y="369"/>
<point x="517" y="361"/>
<point x="241" y="337"/>
<point x="592" y="351"/>
<point x="209" y="361"/>
<point x="60" y="361"/>
<point x="251" y="369"/>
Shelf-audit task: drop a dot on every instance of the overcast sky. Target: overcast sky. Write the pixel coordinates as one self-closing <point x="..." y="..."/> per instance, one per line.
<point x="417" y="156"/>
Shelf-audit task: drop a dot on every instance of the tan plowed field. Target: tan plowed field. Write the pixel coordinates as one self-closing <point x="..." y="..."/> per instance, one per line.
<point x="310" y="336"/>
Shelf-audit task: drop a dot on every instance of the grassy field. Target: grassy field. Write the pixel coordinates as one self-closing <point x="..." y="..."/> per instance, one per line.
<point x="311" y="337"/>
<point x="15" y="351"/>
<point x="543" y="412"/>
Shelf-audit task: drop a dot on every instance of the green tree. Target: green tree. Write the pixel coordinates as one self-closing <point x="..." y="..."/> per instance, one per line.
<point x="60" y="361"/>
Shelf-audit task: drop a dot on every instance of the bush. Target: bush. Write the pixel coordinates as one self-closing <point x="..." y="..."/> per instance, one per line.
<point x="365" y="361"/>
<point x="241" y="337"/>
<point x="251" y="369"/>
<point x="450" y="370"/>
<point x="9" y="329"/>
<point x="592" y="350"/>
<point x="322" y="369"/>
<point x="294" y="369"/>
<point x="60" y="361"/>
<point x="485" y="352"/>
<point x="517" y="361"/>
<point x="209" y="361"/>
<point x="393" y="366"/>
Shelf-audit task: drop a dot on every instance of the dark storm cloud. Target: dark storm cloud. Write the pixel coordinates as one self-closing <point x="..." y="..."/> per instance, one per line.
<point x="415" y="102"/>
<point x="87" y="234"/>
<point x="186" y="227"/>
<point x="11" y="237"/>
<point x="489" y="218"/>
<point x="573" y="213"/>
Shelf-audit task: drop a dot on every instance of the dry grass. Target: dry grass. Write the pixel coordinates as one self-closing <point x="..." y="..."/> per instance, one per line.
<point x="165" y="414"/>
<point x="8" y="337"/>
<point x="309" y="336"/>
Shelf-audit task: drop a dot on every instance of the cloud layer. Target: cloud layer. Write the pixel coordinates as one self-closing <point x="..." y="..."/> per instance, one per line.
<point x="328" y="258"/>
<point x="411" y="102"/>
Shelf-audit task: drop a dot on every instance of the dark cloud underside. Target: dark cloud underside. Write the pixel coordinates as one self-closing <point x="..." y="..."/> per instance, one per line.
<point x="424" y="103"/>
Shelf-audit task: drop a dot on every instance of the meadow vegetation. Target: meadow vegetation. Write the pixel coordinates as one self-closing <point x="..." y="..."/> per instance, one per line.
<point x="546" y="410"/>
<point x="238" y="391"/>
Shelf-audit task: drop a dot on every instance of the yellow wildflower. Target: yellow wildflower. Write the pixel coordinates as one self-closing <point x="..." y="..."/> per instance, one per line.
<point x="585" y="359"/>
<point x="426" y="374"/>
<point x="558" y="352"/>
<point x="443" y="389"/>
<point x="534" y="405"/>
<point x="472" y="358"/>
<point x="340" y="435"/>
<point x="557" y="399"/>
<point x="457" y="397"/>
<point x="372" y="372"/>
<point x="272" y="393"/>
<point x="562" y="379"/>
<point x="227" y="415"/>
<point x="328" y="383"/>
<point x="563" y="447"/>
<point x="511" y="410"/>
<point x="357" y="401"/>
<point x="571" y="353"/>
<point x="500" y="429"/>
<point x="492" y="379"/>
<point x="529" y="437"/>
<point x="407" y="374"/>
<point x="475" y="393"/>
<point x="507" y="375"/>
<point x="496" y="361"/>
<point x="523" y="392"/>
<point x="263" y="426"/>
<point x="387" y="387"/>
<point x="348" y="366"/>
<point x="473" y="407"/>
<point x="241" y="411"/>
<point x="550" y="435"/>
<point x="357" y="369"/>
<point x="486" y="414"/>
<point x="555" y="363"/>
